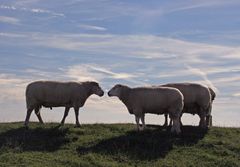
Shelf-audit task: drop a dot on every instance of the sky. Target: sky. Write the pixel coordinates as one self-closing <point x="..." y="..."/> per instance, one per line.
<point x="137" y="43"/>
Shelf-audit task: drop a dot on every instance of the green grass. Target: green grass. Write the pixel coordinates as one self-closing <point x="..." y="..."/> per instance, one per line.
<point x="116" y="145"/>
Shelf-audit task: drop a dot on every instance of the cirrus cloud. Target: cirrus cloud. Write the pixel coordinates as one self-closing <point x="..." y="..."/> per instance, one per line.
<point x="9" y="20"/>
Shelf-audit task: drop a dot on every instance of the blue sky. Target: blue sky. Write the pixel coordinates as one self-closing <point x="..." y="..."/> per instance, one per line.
<point x="134" y="42"/>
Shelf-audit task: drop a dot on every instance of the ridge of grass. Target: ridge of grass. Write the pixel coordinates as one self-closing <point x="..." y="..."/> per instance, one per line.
<point x="117" y="145"/>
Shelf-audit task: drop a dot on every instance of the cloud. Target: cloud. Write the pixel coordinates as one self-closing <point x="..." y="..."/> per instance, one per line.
<point x="147" y="46"/>
<point x="188" y="58"/>
<point x="236" y="94"/>
<point x="191" y="4"/>
<point x="43" y="74"/>
<point x="93" y="72"/>
<point x="91" y="27"/>
<point x="44" y="12"/>
<point x="8" y="7"/>
<point x="12" y="87"/>
<point x="82" y="73"/>
<point x="202" y="4"/>
<point x="227" y="80"/>
<point x="32" y="10"/>
<point x="110" y="73"/>
<point x="9" y="20"/>
<point x="12" y="35"/>
<point x="203" y="75"/>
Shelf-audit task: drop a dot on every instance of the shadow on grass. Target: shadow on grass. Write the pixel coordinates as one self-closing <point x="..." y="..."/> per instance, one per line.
<point x="150" y="144"/>
<point x="34" y="139"/>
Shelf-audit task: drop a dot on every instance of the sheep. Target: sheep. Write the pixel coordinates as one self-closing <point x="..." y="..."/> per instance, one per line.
<point x="153" y="100"/>
<point x="59" y="94"/>
<point x="197" y="100"/>
<point x="195" y="109"/>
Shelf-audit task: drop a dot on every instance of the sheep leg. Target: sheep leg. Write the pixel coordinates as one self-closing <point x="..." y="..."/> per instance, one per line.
<point x="37" y="112"/>
<point x="202" y="122"/>
<point x="143" y="121"/>
<point x="171" y="121"/>
<point x="210" y="121"/>
<point x="175" y="117"/>
<point x="76" y="109"/>
<point x="176" y="126"/>
<point x="29" y="111"/>
<point x="209" y="117"/>
<point x="137" y="121"/>
<point x="65" y="115"/>
<point x="166" y="120"/>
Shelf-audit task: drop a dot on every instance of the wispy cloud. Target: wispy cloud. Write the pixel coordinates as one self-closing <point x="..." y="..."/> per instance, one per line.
<point x="9" y="20"/>
<point x="227" y="81"/>
<point x="91" y="27"/>
<point x="44" y="11"/>
<point x="236" y="94"/>
<point x="148" y="46"/>
<point x="12" y="87"/>
<point x="81" y="73"/>
<point x="171" y="51"/>
<point x="32" y="10"/>
<point x="110" y="73"/>
<point x="12" y="35"/>
<point x="88" y="72"/>
<point x="8" y="7"/>
<point x="202" y="74"/>
<point x="189" y="5"/>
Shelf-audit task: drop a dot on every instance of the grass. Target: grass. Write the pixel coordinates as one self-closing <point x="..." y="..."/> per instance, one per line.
<point x="117" y="145"/>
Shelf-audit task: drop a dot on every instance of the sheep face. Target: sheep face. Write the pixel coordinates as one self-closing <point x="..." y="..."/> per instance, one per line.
<point x="97" y="90"/>
<point x="115" y="91"/>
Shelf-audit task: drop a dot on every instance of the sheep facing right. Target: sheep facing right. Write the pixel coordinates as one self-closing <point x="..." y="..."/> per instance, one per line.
<point x="155" y="100"/>
<point x="59" y="94"/>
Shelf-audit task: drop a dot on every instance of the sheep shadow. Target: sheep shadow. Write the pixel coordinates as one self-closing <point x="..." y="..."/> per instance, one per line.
<point x="150" y="144"/>
<point x="34" y="139"/>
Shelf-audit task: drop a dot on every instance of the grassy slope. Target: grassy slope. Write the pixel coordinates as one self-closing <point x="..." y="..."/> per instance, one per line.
<point x="116" y="145"/>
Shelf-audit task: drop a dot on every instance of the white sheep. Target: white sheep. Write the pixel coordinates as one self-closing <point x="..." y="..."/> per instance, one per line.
<point x="155" y="100"/>
<point x="197" y="100"/>
<point x="59" y="94"/>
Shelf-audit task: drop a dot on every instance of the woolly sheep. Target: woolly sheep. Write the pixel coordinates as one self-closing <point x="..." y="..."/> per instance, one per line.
<point x="157" y="100"/>
<point x="197" y="100"/>
<point x="59" y="94"/>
